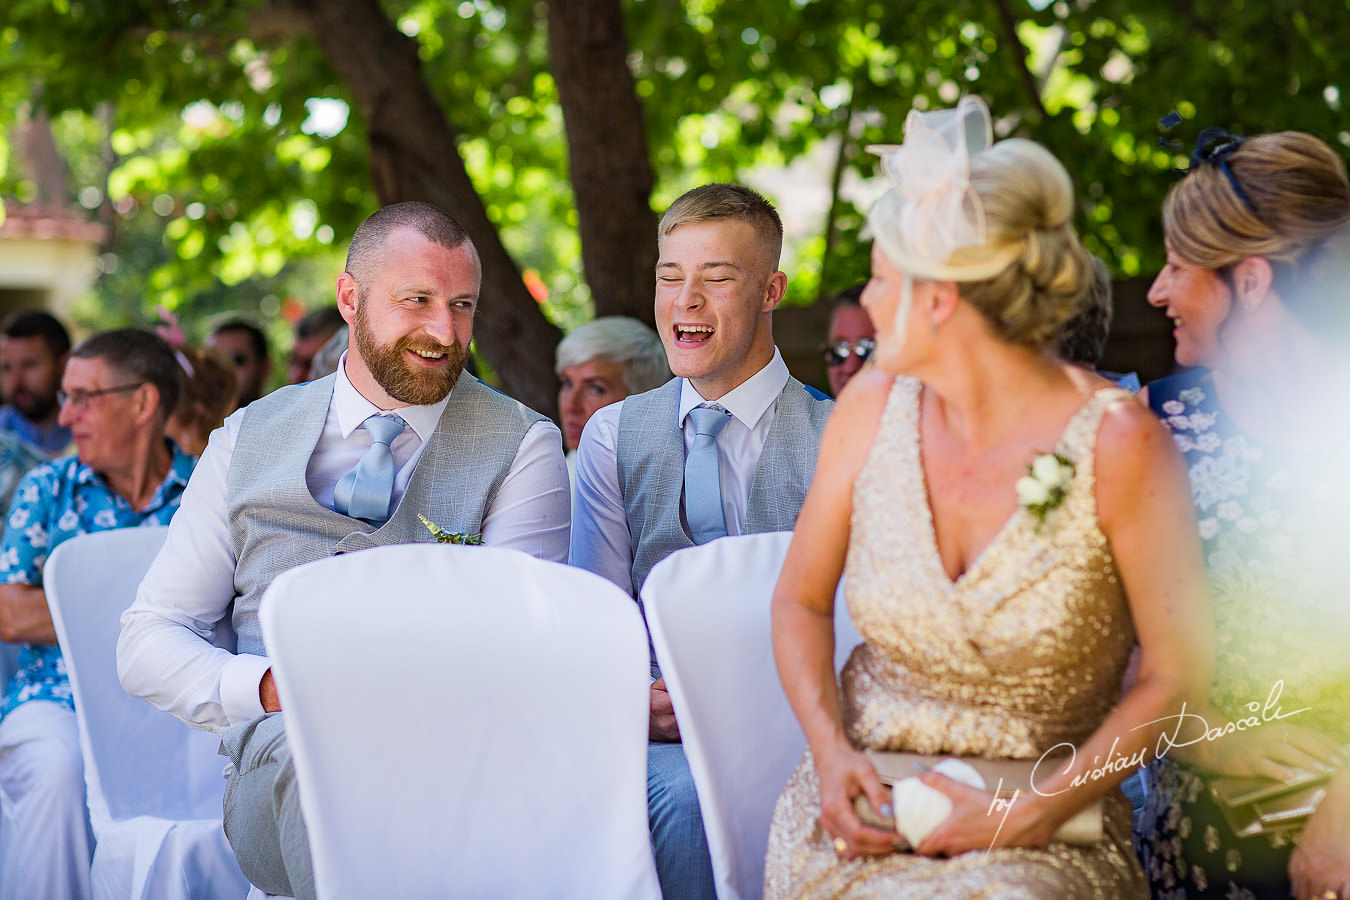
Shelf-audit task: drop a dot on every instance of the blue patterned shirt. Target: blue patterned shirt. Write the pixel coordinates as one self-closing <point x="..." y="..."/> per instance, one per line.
<point x="55" y="502"/>
<point x="51" y="440"/>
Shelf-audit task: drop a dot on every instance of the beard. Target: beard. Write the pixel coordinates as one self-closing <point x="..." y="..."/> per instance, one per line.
<point x="35" y="407"/>
<point x="414" y="385"/>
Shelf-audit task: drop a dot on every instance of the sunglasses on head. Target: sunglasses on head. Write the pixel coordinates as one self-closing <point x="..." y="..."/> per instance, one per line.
<point x="837" y="353"/>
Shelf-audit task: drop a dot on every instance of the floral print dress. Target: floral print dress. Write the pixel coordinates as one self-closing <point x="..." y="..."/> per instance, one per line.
<point x="1279" y="624"/>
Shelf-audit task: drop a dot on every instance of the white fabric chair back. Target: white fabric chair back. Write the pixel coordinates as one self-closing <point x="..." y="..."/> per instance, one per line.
<point x="708" y="608"/>
<point x="154" y="785"/>
<point x="138" y="760"/>
<point x="465" y="721"/>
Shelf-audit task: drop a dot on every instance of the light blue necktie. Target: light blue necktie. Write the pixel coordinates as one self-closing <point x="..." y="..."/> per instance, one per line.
<point x="702" y="480"/>
<point x="365" y="491"/>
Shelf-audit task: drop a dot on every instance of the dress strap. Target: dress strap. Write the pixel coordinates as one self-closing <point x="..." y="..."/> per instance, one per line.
<point x="1079" y="441"/>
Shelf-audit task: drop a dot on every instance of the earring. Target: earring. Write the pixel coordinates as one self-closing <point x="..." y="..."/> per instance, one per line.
<point x="932" y="326"/>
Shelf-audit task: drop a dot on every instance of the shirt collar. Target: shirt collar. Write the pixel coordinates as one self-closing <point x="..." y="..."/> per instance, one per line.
<point x="352" y="408"/>
<point x="749" y="400"/>
<point x="180" y="470"/>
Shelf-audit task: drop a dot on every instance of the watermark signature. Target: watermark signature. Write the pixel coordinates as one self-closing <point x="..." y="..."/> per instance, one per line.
<point x="1114" y="763"/>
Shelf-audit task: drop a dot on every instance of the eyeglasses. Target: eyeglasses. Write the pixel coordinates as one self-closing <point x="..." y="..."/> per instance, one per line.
<point x="80" y="399"/>
<point x="837" y="354"/>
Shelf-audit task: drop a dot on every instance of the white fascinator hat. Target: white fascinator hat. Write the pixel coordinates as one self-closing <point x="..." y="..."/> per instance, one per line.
<point x="930" y="211"/>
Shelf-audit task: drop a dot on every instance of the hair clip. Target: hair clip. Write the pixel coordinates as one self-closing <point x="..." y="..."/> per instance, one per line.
<point x="1167" y="123"/>
<point x="1213" y="147"/>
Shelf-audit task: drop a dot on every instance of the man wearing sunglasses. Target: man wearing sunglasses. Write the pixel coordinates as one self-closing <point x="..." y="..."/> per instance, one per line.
<point x="851" y="339"/>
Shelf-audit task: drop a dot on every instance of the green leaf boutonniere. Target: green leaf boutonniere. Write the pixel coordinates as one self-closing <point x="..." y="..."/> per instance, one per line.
<point x="450" y="537"/>
<point x="1045" y="486"/>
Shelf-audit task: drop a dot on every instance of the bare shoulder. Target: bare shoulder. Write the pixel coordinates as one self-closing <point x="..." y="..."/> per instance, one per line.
<point x="1137" y="464"/>
<point x="1131" y="435"/>
<point x="854" y="422"/>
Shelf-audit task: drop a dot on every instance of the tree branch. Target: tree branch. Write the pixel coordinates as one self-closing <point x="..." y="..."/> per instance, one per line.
<point x="1009" y="22"/>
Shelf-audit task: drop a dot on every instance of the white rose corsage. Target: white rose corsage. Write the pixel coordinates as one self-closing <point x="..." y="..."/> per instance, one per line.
<point x="1045" y="486"/>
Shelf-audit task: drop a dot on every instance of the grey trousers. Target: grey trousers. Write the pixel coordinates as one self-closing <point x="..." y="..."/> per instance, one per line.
<point x="263" y="822"/>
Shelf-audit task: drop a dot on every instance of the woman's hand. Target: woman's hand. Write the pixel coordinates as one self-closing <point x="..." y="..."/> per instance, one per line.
<point x="1278" y="750"/>
<point x="979" y="821"/>
<point x="1319" y="867"/>
<point x="844" y="774"/>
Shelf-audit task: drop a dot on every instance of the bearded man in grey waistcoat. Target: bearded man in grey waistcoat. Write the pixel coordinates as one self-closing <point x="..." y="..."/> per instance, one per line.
<point x="281" y="484"/>
<point x="717" y="284"/>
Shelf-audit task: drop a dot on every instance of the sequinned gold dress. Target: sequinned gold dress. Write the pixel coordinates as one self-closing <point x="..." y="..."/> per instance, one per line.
<point x="1024" y="650"/>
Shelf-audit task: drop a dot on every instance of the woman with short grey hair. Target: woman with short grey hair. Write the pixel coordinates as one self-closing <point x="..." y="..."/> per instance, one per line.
<point x="601" y="362"/>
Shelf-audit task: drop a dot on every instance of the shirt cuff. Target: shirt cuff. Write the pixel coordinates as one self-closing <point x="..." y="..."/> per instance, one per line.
<point x="239" y="682"/>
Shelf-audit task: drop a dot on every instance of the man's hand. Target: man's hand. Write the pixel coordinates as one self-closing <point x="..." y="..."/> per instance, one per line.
<point x="267" y="692"/>
<point x="661" y="725"/>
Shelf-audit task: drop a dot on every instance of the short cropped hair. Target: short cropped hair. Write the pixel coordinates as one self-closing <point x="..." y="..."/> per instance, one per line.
<point x="141" y="356"/>
<point x="620" y="340"/>
<point x="1083" y="339"/>
<point x="432" y="222"/>
<point x="35" y="323"/>
<point x="256" y="338"/>
<point x="713" y="202"/>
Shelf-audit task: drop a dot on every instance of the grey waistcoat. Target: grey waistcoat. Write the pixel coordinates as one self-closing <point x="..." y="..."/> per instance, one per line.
<point x="276" y="524"/>
<point x="650" y="462"/>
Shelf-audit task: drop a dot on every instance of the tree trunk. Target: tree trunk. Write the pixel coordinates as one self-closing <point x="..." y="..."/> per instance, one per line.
<point x="413" y="156"/>
<point x="607" y="151"/>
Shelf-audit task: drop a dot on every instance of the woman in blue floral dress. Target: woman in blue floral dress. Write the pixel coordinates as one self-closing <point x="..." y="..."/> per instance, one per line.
<point x="1254" y="285"/>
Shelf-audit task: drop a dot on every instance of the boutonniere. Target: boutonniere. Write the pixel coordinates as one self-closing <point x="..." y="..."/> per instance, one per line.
<point x="1045" y="485"/>
<point x="450" y="537"/>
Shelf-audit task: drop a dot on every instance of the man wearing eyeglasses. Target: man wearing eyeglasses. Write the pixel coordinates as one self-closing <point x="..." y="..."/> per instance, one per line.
<point x="852" y="338"/>
<point x="118" y="390"/>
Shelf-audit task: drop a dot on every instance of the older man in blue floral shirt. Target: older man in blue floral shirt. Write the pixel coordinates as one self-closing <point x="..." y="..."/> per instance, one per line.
<point x="118" y="391"/>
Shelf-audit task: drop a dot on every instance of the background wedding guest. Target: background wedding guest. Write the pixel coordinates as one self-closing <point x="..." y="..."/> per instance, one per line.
<point x="1257" y="251"/>
<point x="33" y="348"/>
<point x="326" y="361"/>
<point x="118" y="389"/>
<point x="277" y="487"/>
<point x="208" y="395"/>
<point x="16" y="460"/>
<point x="728" y="447"/>
<point x="600" y="362"/>
<point x="1083" y="338"/>
<point x="957" y="576"/>
<point x="245" y="345"/>
<point x="850" y="339"/>
<point x="312" y="331"/>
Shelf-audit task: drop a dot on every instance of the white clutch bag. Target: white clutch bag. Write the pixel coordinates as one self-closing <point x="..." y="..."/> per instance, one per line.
<point x="919" y="809"/>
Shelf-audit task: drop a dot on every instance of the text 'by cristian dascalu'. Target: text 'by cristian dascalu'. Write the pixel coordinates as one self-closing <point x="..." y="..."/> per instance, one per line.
<point x="1198" y="730"/>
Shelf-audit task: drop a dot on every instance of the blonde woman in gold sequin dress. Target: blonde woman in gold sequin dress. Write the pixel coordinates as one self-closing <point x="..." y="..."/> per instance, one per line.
<point x="988" y="630"/>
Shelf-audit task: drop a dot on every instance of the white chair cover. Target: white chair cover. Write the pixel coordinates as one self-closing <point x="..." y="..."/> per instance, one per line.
<point x="716" y="653"/>
<point x="465" y="721"/>
<point x="154" y="785"/>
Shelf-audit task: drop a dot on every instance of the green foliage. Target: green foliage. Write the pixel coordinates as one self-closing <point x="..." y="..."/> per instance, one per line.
<point x="203" y="124"/>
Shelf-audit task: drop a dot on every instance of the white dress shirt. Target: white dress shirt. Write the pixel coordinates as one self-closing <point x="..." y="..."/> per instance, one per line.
<point x="164" y="655"/>
<point x="601" y="542"/>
